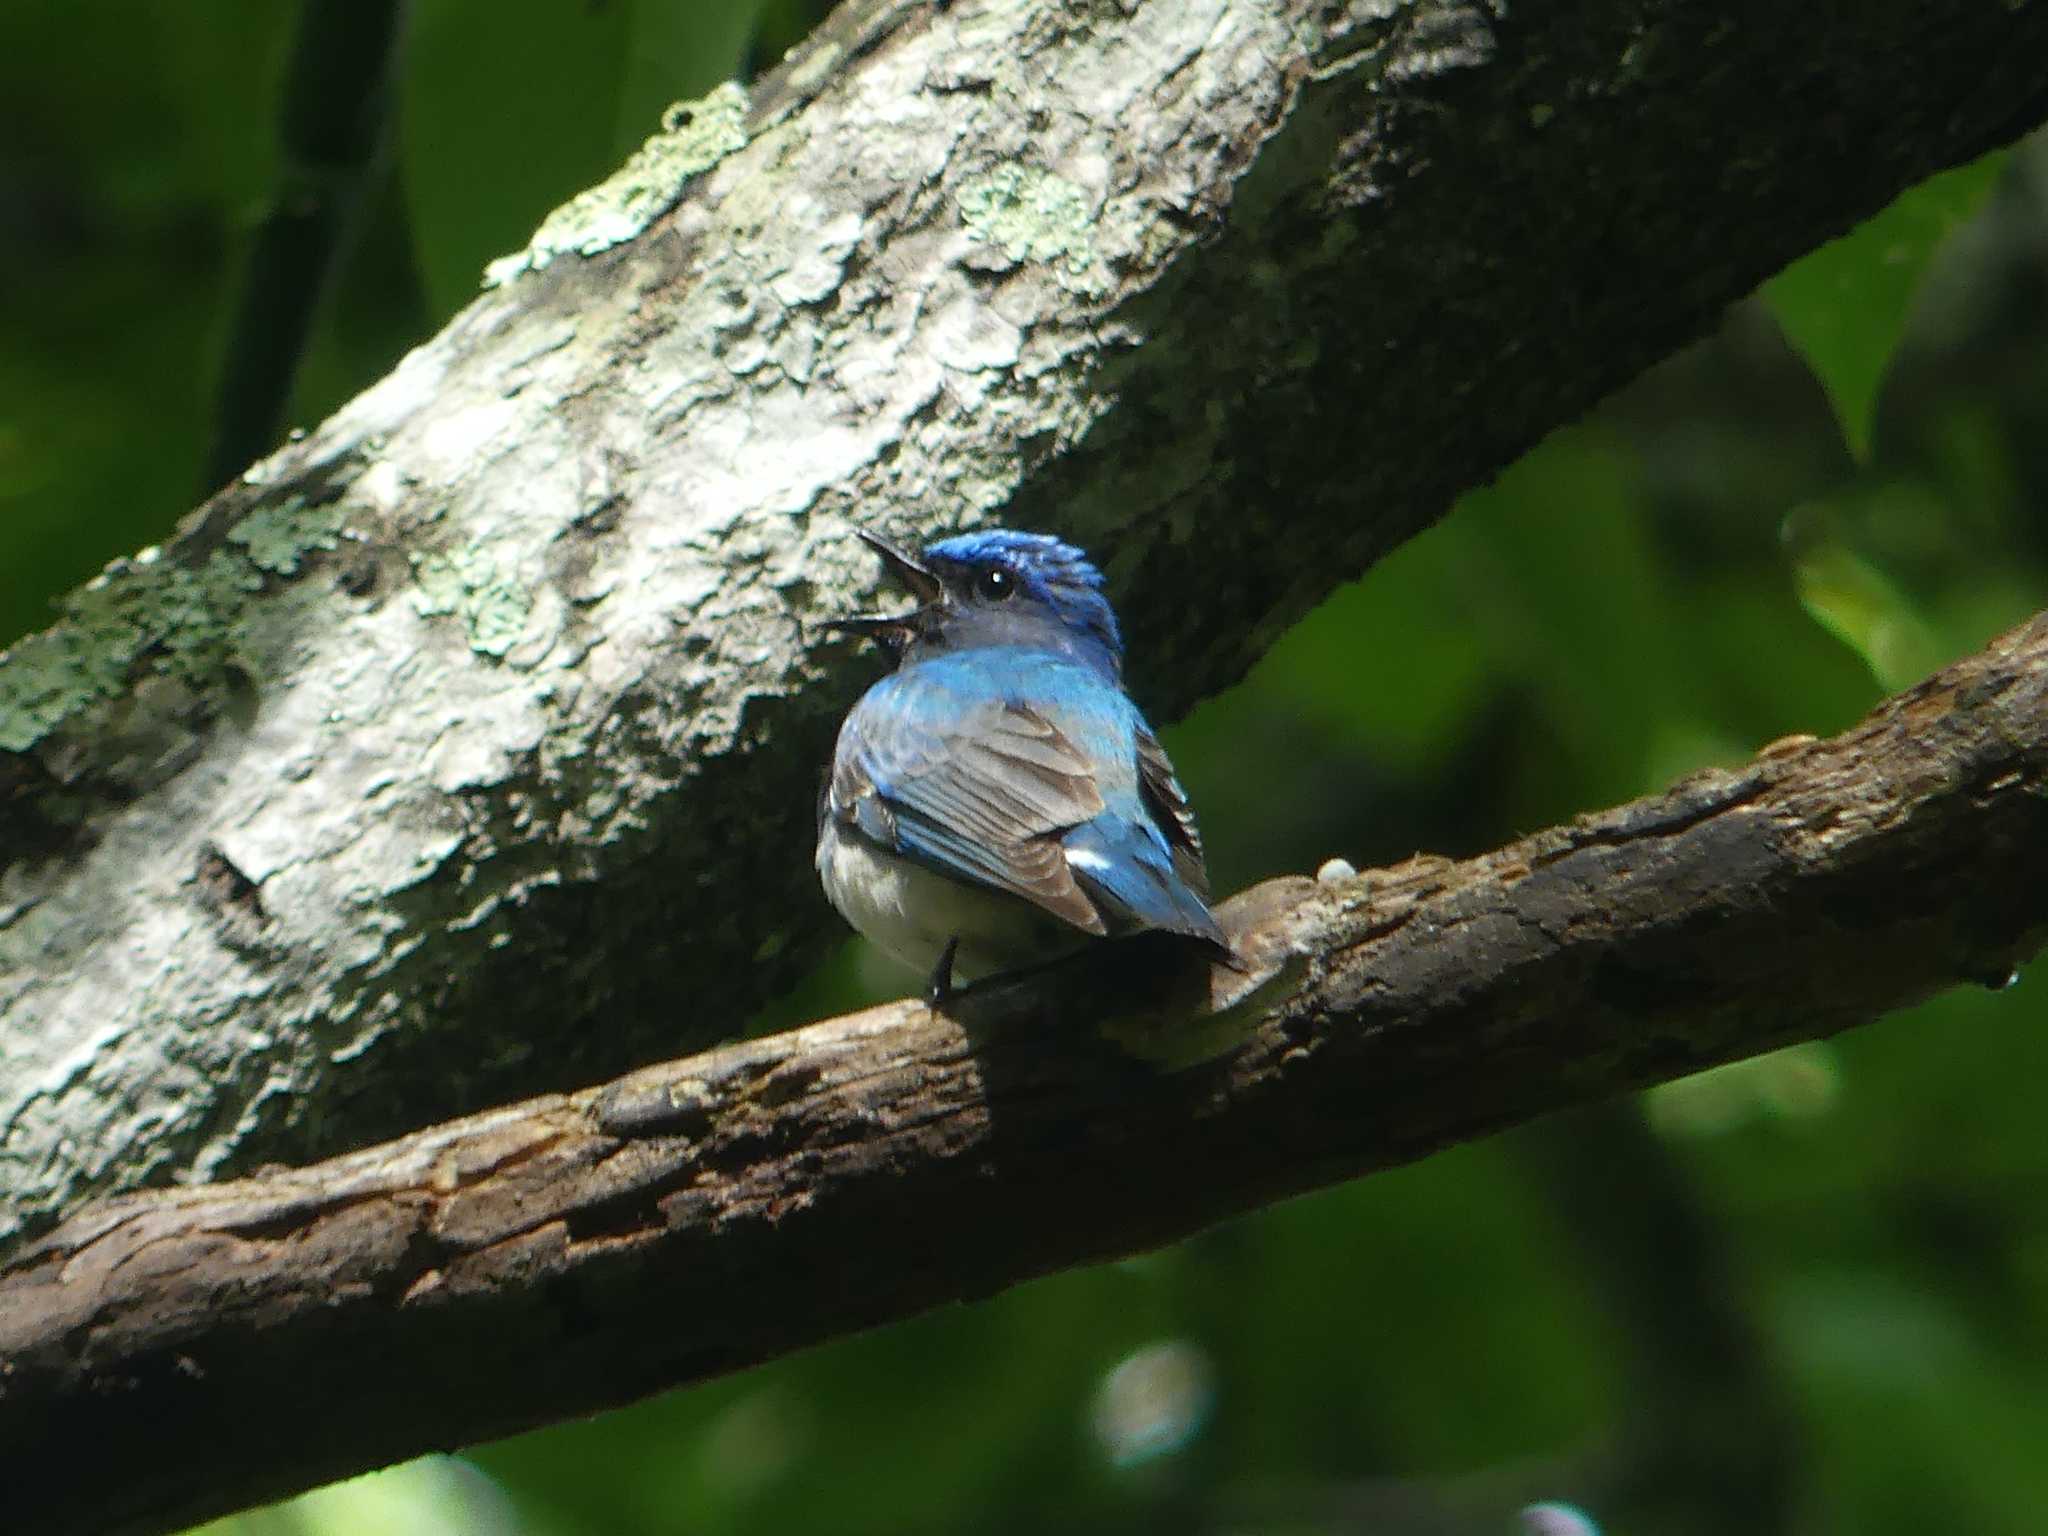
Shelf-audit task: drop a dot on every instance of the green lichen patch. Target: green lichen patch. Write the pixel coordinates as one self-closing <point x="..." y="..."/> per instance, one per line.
<point x="48" y="676"/>
<point x="181" y="622"/>
<point x="1033" y="215"/>
<point x="695" y="136"/>
<point x="278" y="538"/>
<point x="469" y="585"/>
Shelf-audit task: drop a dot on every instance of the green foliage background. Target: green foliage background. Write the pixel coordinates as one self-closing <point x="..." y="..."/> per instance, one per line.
<point x="1807" y="1293"/>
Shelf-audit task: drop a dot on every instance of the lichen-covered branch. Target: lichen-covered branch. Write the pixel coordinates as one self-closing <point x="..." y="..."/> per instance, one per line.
<point x="226" y="1344"/>
<point x="432" y="762"/>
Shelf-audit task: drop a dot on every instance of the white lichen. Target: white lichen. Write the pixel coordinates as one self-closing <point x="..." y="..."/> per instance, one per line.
<point x="1032" y="215"/>
<point x="470" y="585"/>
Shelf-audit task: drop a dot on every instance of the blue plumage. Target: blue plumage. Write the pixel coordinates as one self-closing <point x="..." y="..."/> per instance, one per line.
<point x="999" y="797"/>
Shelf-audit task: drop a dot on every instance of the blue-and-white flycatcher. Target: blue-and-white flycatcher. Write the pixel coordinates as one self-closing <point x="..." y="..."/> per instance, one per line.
<point x="998" y="798"/>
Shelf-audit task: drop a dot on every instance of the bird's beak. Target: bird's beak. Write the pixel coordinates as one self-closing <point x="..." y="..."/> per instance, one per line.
<point x="916" y="578"/>
<point x="913" y="575"/>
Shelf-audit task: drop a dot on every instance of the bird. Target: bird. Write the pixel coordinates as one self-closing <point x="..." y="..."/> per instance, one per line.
<point x="998" y="800"/>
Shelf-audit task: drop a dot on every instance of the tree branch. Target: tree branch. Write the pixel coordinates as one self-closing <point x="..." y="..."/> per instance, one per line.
<point x="578" y="1251"/>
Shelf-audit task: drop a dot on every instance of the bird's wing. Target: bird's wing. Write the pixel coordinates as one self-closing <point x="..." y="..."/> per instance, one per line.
<point x="1142" y="859"/>
<point x="1168" y="804"/>
<point x="983" y="794"/>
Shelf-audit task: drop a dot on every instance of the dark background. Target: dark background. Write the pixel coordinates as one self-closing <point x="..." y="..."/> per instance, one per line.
<point x="1803" y="1293"/>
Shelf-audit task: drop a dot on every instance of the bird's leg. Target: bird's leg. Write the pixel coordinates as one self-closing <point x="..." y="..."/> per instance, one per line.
<point x="939" y="990"/>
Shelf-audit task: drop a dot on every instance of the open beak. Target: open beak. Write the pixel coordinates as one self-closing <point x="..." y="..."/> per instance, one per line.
<point x="913" y="576"/>
<point x="907" y="569"/>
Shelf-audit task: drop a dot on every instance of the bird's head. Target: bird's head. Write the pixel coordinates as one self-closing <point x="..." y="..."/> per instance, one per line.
<point x="997" y="587"/>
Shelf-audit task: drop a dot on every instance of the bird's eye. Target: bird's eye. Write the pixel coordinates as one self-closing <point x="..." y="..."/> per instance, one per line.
<point x="995" y="583"/>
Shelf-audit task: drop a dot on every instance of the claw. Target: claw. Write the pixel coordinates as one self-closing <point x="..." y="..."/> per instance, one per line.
<point x="939" y="990"/>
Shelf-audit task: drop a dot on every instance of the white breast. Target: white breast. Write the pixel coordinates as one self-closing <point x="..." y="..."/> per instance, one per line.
<point x="910" y="913"/>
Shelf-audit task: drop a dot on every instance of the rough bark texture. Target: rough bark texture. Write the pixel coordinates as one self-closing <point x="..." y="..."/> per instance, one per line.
<point x="434" y="761"/>
<point x="227" y="1344"/>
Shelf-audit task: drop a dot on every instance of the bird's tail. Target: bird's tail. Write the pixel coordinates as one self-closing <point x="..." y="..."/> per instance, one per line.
<point x="1130" y="874"/>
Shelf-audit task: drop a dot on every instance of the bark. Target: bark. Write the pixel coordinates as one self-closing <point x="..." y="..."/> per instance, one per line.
<point x="465" y="748"/>
<point x="225" y="1344"/>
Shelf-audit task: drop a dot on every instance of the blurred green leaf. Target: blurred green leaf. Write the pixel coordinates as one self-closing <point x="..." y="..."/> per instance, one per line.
<point x="135" y="145"/>
<point x="1564" y="579"/>
<point x="1384" y="660"/>
<point x="1895" y="570"/>
<point x="430" y="1496"/>
<point x="1845" y="306"/>
<point x="1799" y="1082"/>
<point x="509" y="111"/>
<point x="677" y="50"/>
<point x="1545" y="578"/>
<point x="1854" y="600"/>
<point x="1900" y="1385"/>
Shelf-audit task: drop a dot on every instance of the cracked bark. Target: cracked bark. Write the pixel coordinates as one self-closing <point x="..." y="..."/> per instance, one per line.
<point x="427" y="765"/>
<point x="576" y="1251"/>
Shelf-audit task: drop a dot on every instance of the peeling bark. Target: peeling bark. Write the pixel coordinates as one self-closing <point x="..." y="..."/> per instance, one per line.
<point x="580" y="1250"/>
<point x="435" y="760"/>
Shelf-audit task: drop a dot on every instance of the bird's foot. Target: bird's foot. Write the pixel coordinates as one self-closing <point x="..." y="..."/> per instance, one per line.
<point x="939" y="990"/>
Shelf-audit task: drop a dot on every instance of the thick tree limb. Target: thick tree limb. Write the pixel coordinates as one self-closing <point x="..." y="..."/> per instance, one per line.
<point x="428" y="765"/>
<point x="690" y="1219"/>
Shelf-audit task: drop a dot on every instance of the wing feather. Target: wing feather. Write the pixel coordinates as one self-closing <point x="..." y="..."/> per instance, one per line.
<point x="985" y="796"/>
<point x="1168" y="804"/>
<point x="984" y="788"/>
